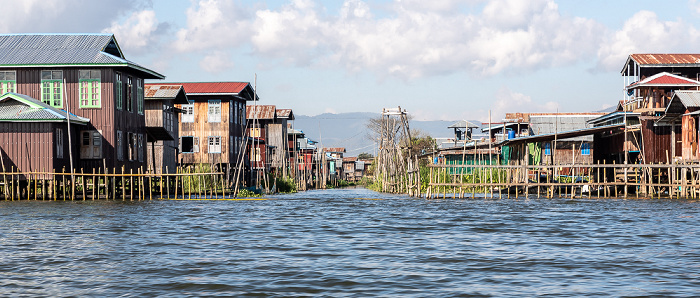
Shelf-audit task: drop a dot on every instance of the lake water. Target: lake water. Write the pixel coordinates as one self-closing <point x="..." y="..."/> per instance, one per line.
<point x="351" y="243"/>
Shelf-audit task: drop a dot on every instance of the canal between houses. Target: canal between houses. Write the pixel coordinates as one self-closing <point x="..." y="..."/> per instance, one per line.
<point x="350" y="242"/>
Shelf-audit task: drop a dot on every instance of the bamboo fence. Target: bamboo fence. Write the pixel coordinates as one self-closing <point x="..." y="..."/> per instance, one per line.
<point x="566" y="180"/>
<point x="184" y="184"/>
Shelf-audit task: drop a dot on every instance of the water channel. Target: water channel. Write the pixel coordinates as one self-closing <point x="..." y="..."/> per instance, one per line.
<point x="350" y="243"/>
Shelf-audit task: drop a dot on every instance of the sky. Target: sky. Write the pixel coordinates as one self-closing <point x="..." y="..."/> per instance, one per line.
<point x="438" y="59"/>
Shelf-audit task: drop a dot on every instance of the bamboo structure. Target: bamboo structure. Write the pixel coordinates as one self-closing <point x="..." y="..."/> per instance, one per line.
<point x="397" y="170"/>
<point x="581" y="180"/>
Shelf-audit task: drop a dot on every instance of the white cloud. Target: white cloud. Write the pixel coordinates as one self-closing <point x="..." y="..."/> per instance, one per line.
<point x="138" y="32"/>
<point x="216" y="62"/>
<point x="508" y="101"/>
<point x="29" y="16"/>
<point x="214" y="24"/>
<point x="645" y="33"/>
<point x="410" y="41"/>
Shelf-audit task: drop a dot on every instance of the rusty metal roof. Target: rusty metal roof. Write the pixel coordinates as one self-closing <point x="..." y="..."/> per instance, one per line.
<point x="335" y="149"/>
<point x="662" y="60"/>
<point x="157" y="92"/>
<point x="261" y="112"/>
<point x="285" y="113"/>
<point x="665" y="59"/>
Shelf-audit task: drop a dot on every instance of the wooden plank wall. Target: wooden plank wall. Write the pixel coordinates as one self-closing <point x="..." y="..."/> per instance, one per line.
<point x="28" y="147"/>
<point x="202" y="129"/>
<point x="106" y="119"/>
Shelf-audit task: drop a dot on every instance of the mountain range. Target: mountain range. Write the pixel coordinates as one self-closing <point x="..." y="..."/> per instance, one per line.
<point x="350" y="130"/>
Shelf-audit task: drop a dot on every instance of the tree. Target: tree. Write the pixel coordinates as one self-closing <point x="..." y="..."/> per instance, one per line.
<point x="365" y="155"/>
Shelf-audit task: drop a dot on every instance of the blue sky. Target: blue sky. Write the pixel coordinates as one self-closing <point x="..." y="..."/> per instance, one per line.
<point x="439" y="59"/>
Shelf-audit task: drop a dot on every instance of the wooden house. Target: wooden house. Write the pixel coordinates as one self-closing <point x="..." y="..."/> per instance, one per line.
<point x="259" y="150"/>
<point x="682" y="111"/>
<point x="651" y="81"/>
<point x="270" y="124"/>
<point x="278" y="137"/>
<point x="336" y="153"/>
<point x="89" y="76"/>
<point x="212" y="123"/>
<point x="34" y="135"/>
<point x="162" y="126"/>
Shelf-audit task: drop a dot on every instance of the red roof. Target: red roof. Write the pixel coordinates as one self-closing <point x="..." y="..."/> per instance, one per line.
<point x="664" y="79"/>
<point x="210" y="87"/>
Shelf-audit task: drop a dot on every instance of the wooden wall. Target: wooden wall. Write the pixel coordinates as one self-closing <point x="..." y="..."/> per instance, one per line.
<point x="106" y="119"/>
<point x="228" y="128"/>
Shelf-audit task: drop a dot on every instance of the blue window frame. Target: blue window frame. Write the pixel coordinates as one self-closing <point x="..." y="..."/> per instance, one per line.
<point x="547" y="149"/>
<point x="585" y="149"/>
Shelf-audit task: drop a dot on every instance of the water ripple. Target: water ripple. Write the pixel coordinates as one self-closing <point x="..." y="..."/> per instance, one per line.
<point x="350" y="243"/>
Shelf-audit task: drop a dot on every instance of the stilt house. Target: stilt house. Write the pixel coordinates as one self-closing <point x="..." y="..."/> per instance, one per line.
<point x="89" y="76"/>
<point x="162" y="126"/>
<point x="212" y="123"/>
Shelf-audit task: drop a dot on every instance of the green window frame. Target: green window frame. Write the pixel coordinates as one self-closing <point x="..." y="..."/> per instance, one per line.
<point x="90" y="88"/>
<point x="118" y="89"/>
<point x="139" y="96"/>
<point x="52" y="88"/>
<point x="8" y="81"/>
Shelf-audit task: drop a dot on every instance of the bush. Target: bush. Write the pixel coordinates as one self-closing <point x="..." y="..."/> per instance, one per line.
<point x="285" y="185"/>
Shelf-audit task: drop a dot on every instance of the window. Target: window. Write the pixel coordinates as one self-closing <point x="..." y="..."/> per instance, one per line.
<point x="189" y="144"/>
<point x="231" y="111"/>
<point x="139" y="95"/>
<point x="241" y="115"/>
<point x="129" y="94"/>
<point x="256" y="155"/>
<point x="214" y="111"/>
<point x="140" y="146"/>
<point x="133" y="146"/>
<point x="8" y="81"/>
<point x="52" y="88"/>
<point x="120" y="146"/>
<point x="188" y="112"/>
<point x="585" y="149"/>
<point x="91" y="144"/>
<point x="255" y="132"/>
<point x="547" y="149"/>
<point x="214" y="144"/>
<point x="168" y="118"/>
<point x="59" y="143"/>
<point x="89" y="82"/>
<point x="118" y="89"/>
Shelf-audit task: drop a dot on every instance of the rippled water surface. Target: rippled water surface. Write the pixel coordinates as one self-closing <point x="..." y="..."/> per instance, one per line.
<point x="351" y="242"/>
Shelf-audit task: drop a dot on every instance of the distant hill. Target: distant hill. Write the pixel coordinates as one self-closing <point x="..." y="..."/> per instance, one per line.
<point x="349" y="130"/>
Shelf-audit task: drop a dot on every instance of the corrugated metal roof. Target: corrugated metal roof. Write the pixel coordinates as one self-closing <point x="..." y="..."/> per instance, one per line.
<point x="261" y="112"/>
<point x="335" y="149"/>
<point x="689" y="98"/>
<point x="463" y="124"/>
<point x="64" y="50"/>
<point x="285" y="113"/>
<point x="156" y="91"/>
<point x="664" y="79"/>
<point x="666" y="59"/>
<point x="20" y="107"/>
<point x="542" y="125"/>
<point x="231" y="88"/>
<point x="350" y="159"/>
